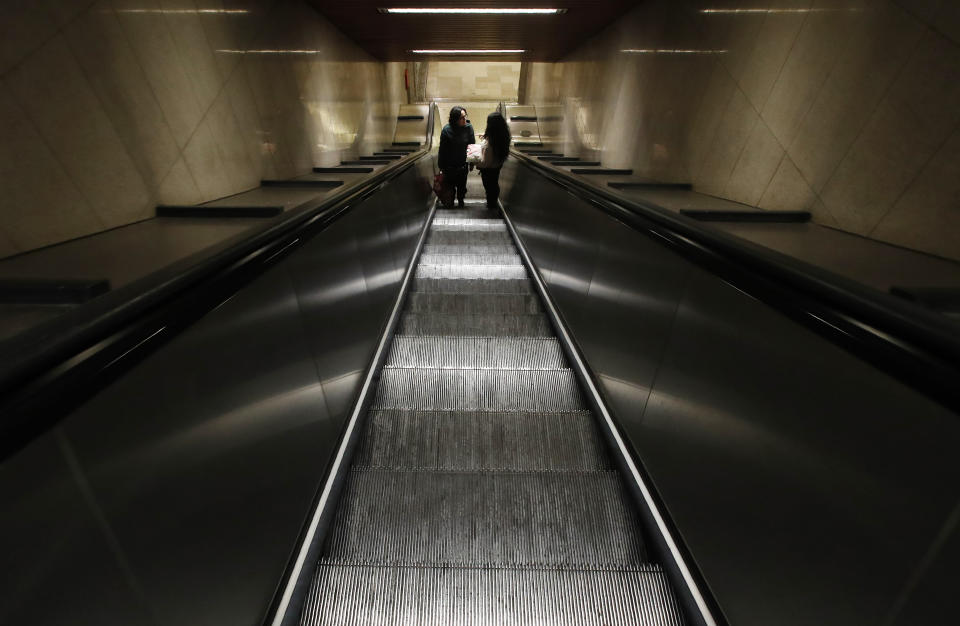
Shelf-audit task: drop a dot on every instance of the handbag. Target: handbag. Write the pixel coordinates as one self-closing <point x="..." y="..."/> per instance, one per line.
<point x="444" y="192"/>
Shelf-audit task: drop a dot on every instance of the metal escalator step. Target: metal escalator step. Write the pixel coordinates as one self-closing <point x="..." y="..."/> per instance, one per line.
<point x="472" y="303"/>
<point x="477" y="214"/>
<point x="469" y="225"/>
<point x="485" y="518"/>
<point x="468" y="271"/>
<point x="476" y="286"/>
<point x="489" y="325"/>
<point x="476" y="352"/>
<point x="357" y="593"/>
<point x="480" y="440"/>
<point x="475" y="389"/>
<point x="482" y="223"/>
<point x="469" y="249"/>
<point x="508" y="259"/>
<point x="468" y="237"/>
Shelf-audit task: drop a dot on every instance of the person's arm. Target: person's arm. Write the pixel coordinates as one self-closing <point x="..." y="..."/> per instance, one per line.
<point x="473" y="138"/>
<point x="443" y="153"/>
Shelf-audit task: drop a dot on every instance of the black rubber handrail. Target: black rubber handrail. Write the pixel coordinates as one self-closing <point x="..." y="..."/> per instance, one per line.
<point x="916" y="346"/>
<point x="55" y="365"/>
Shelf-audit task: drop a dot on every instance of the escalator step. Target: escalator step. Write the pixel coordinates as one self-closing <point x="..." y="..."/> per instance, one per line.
<point x="469" y="225"/>
<point x="464" y="271"/>
<point x="480" y="390"/>
<point x="357" y="593"/>
<point x="470" y="259"/>
<point x="485" y="518"/>
<point x="466" y="220"/>
<point x="477" y="214"/>
<point x="472" y="285"/>
<point x="468" y="249"/>
<point x="476" y="352"/>
<point x="478" y="440"/>
<point x="454" y="236"/>
<point x="472" y="303"/>
<point x="490" y="325"/>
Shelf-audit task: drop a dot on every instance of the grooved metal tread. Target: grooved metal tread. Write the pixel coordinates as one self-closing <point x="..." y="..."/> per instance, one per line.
<point x="464" y="270"/>
<point x="481" y="441"/>
<point x="454" y="235"/>
<point x="472" y="286"/>
<point x="467" y="249"/>
<point x="356" y="593"/>
<point x="476" y="352"/>
<point x="477" y="389"/>
<point x="481" y="491"/>
<point x="472" y="303"/>
<point x="485" y="518"/>
<point x="463" y="324"/>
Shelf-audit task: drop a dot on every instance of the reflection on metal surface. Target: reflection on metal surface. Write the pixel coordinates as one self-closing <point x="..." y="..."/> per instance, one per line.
<point x="752" y="428"/>
<point x="204" y="458"/>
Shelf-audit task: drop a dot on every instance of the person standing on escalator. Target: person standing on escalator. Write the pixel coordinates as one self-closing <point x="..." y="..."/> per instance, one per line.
<point x="454" y="139"/>
<point x="493" y="152"/>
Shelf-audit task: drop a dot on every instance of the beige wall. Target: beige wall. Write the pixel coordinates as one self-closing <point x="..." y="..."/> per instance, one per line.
<point x="848" y="109"/>
<point x="109" y="108"/>
<point x="473" y="80"/>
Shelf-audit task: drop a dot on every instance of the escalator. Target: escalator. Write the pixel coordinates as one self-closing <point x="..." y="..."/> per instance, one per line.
<point x="481" y="491"/>
<point x="583" y="412"/>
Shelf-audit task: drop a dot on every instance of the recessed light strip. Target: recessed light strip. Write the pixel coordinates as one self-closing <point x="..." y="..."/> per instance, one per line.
<point x="467" y="51"/>
<point x="472" y="11"/>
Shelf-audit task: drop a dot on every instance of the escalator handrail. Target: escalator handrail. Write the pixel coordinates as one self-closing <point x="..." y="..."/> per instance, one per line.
<point x="34" y="361"/>
<point x="919" y="347"/>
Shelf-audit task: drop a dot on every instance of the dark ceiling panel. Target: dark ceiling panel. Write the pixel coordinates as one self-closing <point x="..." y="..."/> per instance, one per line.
<point x="544" y="37"/>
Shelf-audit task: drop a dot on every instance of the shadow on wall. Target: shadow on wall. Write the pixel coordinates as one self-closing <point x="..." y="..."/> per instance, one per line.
<point x="850" y="111"/>
<point x="112" y="108"/>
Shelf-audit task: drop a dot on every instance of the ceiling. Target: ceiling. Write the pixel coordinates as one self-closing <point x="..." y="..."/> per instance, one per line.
<point x="544" y="37"/>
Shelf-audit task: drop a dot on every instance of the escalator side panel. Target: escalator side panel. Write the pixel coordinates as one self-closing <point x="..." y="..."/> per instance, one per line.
<point x="808" y="486"/>
<point x="193" y="473"/>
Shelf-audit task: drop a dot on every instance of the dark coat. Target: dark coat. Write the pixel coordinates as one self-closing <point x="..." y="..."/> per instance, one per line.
<point x="453" y="146"/>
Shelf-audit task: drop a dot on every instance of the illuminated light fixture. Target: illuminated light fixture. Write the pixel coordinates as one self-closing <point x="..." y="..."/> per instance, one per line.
<point x="467" y="51"/>
<point x="670" y="51"/>
<point x="227" y="51"/>
<point x="748" y="11"/>
<point x="471" y="11"/>
<point x="188" y="11"/>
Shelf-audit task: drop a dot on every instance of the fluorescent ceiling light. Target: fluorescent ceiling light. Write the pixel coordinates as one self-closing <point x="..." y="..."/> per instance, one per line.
<point x="473" y="11"/>
<point x="467" y="51"/>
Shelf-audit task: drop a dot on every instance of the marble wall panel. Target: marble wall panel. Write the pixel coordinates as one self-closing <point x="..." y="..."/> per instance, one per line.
<point x="473" y="80"/>
<point x="842" y="108"/>
<point x="114" y="106"/>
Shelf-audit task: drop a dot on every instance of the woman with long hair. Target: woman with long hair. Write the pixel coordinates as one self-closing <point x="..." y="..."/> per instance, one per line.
<point x="493" y="152"/>
<point x="452" y="159"/>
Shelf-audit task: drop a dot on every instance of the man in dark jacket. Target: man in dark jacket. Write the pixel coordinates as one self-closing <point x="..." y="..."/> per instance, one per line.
<point x="454" y="139"/>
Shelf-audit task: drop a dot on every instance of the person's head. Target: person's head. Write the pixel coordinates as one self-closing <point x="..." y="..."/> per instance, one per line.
<point x="498" y="135"/>
<point x="458" y="116"/>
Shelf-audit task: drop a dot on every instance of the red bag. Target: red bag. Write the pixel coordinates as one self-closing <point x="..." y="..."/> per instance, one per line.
<point x="444" y="192"/>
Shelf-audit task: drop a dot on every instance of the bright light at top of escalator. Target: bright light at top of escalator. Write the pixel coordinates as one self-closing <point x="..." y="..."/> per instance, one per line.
<point x="466" y="51"/>
<point x="472" y="11"/>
